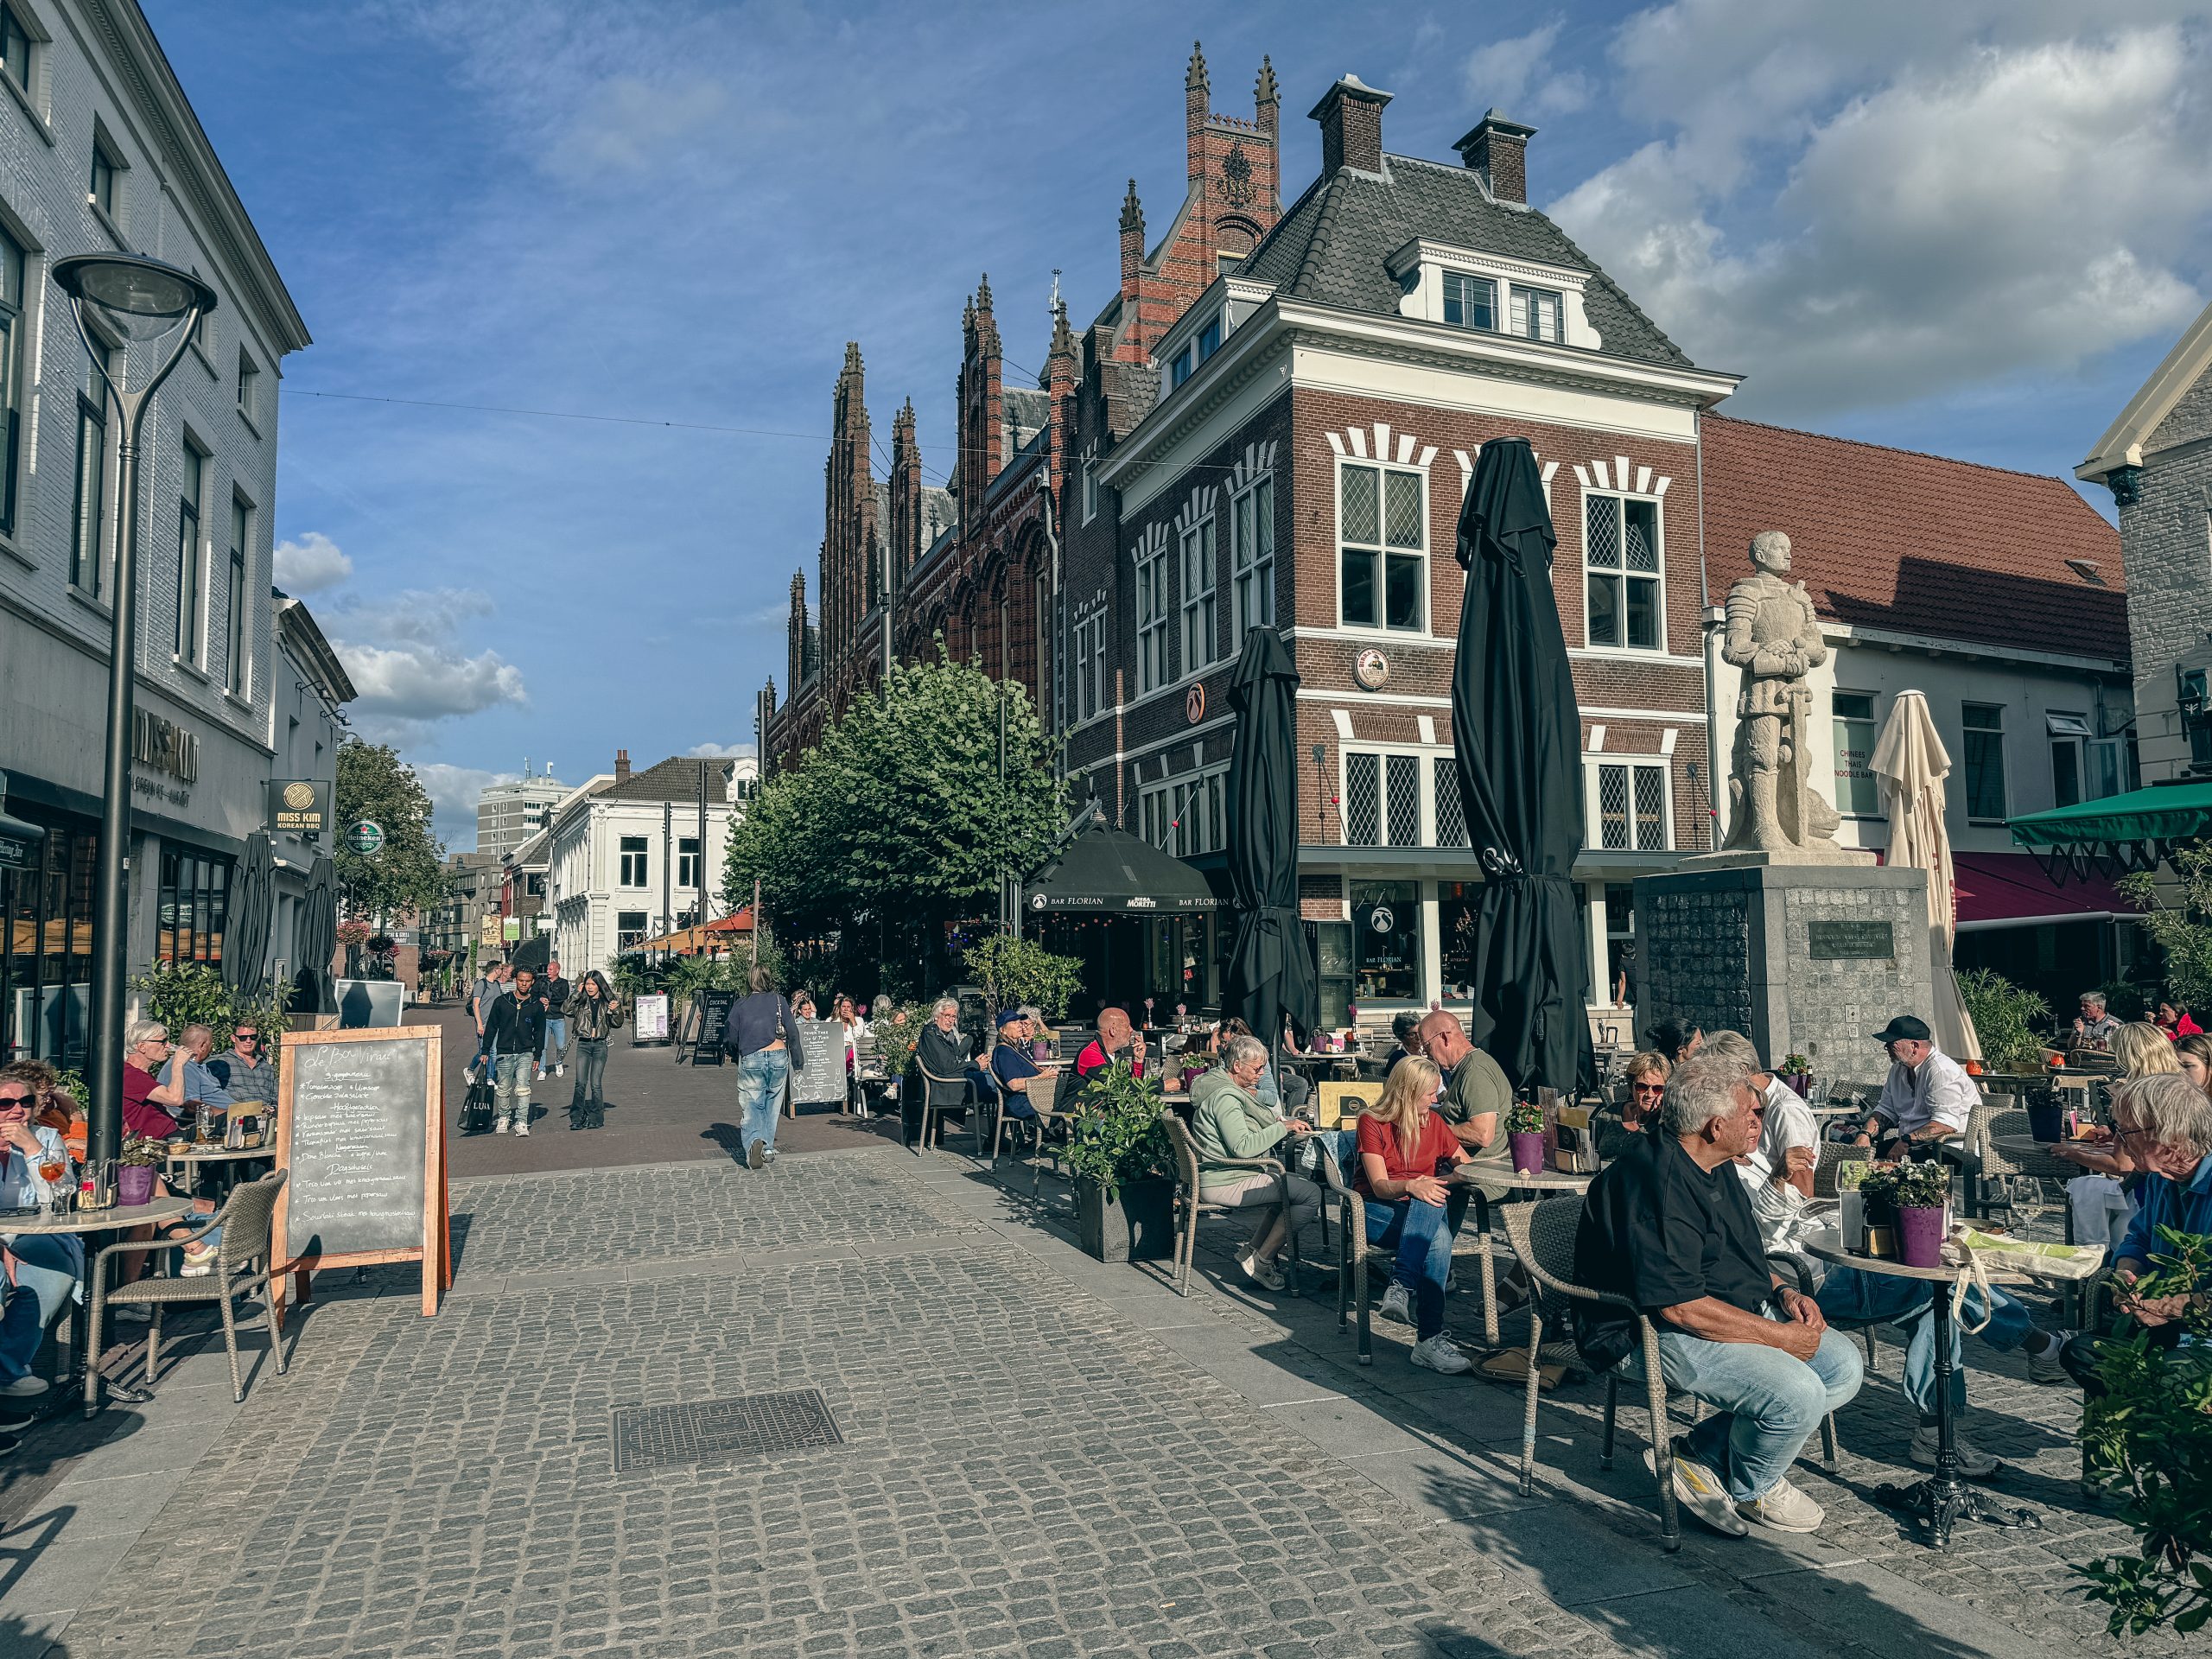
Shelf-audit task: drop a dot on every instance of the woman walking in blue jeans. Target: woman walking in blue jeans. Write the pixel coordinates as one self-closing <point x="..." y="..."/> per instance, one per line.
<point x="763" y="1036"/>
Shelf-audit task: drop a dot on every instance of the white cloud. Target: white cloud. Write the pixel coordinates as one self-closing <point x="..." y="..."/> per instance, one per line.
<point x="311" y="564"/>
<point x="627" y="123"/>
<point x="719" y="752"/>
<point x="1864" y="208"/>
<point x="454" y="789"/>
<point x="1515" y="77"/>
<point x="408" y="667"/>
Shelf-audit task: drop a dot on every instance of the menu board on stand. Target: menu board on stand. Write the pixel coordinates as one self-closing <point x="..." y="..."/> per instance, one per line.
<point x="360" y="1135"/>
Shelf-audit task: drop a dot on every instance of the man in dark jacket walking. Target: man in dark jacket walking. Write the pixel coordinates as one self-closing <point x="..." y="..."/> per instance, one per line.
<point x="554" y="991"/>
<point x="516" y="1030"/>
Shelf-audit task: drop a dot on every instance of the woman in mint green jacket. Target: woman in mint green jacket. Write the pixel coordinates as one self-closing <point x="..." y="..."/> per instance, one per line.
<point x="1230" y="1122"/>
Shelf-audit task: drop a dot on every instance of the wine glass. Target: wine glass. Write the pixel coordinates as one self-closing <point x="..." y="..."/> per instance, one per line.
<point x="52" y="1167"/>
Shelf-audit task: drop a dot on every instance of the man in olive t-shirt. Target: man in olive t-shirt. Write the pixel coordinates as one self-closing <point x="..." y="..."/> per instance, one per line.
<point x="1474" y="1101"/>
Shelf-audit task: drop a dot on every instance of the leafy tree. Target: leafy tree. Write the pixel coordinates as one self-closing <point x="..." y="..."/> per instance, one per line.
<point x="2006" y="1019"/>
<point x="407" y="872"/>
<point x="2178" y="915"/>
<point x="1015" y="971"/>
<point x="900" y="820"/>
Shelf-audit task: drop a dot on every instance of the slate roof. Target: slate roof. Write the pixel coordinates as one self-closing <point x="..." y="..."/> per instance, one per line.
<point x="937" y="511"/>
<point x="1023" y="411"/>
<point x="1915" y="544"/>
<point x="1331" y="244"/>
<point x="674" y="779"/>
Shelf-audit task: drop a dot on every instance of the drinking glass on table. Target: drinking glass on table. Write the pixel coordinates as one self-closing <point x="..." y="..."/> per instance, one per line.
<point x="51" y="1168"/>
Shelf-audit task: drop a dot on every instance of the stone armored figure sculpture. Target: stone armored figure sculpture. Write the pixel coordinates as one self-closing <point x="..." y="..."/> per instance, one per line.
<point x="1774" y="637"/>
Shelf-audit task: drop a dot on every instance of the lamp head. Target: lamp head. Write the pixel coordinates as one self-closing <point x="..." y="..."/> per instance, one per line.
<point x="141" y="298"/>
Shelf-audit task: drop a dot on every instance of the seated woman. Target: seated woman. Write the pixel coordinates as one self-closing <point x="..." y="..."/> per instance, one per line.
<point x="2194" y="1054"/>
<point x="1012" y="1069"/>
<point x="1228" y="1121"/>
<point x="48" y="1265"/>
<point x="1403" y="1149"/>
<point x="1647" y="1077"/>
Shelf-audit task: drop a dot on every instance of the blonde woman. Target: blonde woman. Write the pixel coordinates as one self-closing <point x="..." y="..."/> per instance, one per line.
<point x="1404" y="1147"/>
<point x="1646" y="1076"/>
<point x="2143" y="1050"/>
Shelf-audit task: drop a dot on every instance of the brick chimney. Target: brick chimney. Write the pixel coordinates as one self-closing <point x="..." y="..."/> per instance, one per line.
<point x="1350" y="115"/>
<point x="621" y="765"/>
<point x="1498" y="150"/>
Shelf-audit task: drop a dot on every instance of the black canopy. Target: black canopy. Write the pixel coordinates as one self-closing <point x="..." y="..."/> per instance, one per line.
<point x="1270" y="971"/>
<point x="1517" y="735"/>
<point x="1105" y="871"/>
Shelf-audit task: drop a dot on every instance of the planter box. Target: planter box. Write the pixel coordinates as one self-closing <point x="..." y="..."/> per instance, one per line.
<point x="1133" y="1223"/>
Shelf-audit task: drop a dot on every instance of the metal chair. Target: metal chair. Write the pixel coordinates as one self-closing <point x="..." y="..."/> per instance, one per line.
<point x="1542" y="1236"/>
<point x="932" y="1129"/>
<point x="241" y="1266"/>
<point x="1186" y="1195"/>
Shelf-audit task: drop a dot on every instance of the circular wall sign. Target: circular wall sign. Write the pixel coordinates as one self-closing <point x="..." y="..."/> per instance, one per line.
<point x="299" y="796"/>
<point x="1382" y="920"/>
<point x="1371" y="669"/>
<point x="364" y="837"/>
<point x="1194" y="704"/>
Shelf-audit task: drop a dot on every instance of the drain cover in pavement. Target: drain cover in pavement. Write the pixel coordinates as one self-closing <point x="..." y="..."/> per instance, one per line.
<point x="656" y="1436"/>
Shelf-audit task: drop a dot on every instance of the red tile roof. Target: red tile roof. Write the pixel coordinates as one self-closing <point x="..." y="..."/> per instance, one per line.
<point x="1914" y="543"/>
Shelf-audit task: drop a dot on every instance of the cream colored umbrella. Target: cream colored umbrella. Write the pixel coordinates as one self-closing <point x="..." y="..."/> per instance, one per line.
<point x="1912" y="763"/>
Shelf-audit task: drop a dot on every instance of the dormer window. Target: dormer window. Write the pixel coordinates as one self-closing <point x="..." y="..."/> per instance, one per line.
<point x="1535" y="315"/>
<point x="1185" y="362"/>
<point x="1491" y="294"/>
<point x="1470" y="302"/>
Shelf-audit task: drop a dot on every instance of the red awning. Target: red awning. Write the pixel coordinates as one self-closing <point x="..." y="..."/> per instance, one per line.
<point x="740" y="923"/>
<point x="2011" y="890"/>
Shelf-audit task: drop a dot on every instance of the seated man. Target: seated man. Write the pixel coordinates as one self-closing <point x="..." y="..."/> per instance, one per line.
<point x="2094" y="1026"/>
<point x="1116" y="1040"/>
<point x="1778" y="1174"/>
<point x="189" y="1066"/>
<point x="2164" y="1123"/>
<point x="1405" y="1148"/>
<point x="1669" y="1228"/>
<point x="1475" y="1100"/>
<point x="1228" y="1121"/>
<point x="246" y="1074"/>
<point x="1927" y="1098"/>
<point x="1011" y="1066"/>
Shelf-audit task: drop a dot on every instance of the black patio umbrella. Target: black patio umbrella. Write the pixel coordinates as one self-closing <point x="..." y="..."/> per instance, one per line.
<point x="1270" y="971"/>
<point x="253" y="897"/>
<point x="1517" y="737"/>
<point x="318" y="933"/>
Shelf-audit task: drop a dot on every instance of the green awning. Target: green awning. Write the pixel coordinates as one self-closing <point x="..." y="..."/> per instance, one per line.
<point x="2135" y="831"/>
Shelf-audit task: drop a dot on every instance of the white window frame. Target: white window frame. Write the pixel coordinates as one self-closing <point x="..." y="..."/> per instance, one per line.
<point x="248" y="389"/>
<point x="1969" y="728"/>
<point x="1382" y="551"/>
<point x="2071" y="729"/>
<point x="1166" y="803"/>
<point x="638" y="876"/>
<point x="1252" y="555"/>
<point x="1467" y="279"/>
<point x="1200" y="574"/>
<point x="1835" y="727"/>
<point x="687" y="864"/>
<point x="190" y="646"/>
<point x="1089" y="474"/>
<point x="1152" y="615"/>
<point x="1621" y="575"/>
<point x="1523" y="321"/>
<point x="1594" y="830"/>
<point x="1090" y="681"/>
<point x="92" y="420"/>
<point x="1424" y="785"/>
<point x="238" y="600"/>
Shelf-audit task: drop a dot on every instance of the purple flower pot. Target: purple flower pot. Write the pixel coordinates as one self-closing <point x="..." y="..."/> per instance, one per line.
<point x="1528" y="1150"/>
<point x="1920" y="1236"/>
<point x="134" y="1183"/>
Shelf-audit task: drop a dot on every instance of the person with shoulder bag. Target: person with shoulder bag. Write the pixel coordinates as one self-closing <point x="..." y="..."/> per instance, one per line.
<point x="592" y="1019"/>
<point x="762" y="1035"/>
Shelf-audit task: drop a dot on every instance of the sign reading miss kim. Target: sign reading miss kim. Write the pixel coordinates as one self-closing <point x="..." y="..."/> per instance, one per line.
<point x="300" y="806"/>
<point x="1850" y="941"/>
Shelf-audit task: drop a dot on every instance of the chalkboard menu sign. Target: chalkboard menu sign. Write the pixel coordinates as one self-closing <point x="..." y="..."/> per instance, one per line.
<point x="361" y="1133"/>
<point x="710" y="1010"/>
<point x="821" y="1082"/>
<point x="1849" y="941"/>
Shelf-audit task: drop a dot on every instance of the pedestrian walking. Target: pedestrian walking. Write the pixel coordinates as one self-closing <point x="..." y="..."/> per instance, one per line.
<point x="591" y="1012"/>
<point x="553" y="990"/>
<point x="481" y="997"/>
<point x="516" y="1033"/>
<point x="762" y="1035"/>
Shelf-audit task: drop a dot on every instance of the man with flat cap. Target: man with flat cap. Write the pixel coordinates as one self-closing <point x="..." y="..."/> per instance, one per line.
<point x="1927" y="1098"/>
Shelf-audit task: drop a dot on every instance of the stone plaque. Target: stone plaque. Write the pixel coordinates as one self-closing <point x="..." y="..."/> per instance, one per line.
<point x="1850" y="941"/>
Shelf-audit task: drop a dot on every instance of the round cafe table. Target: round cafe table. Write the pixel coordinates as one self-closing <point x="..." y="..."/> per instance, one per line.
<point x="1524" y="1189"/>
<point x="118" y="1218"/>
<point x="1942" y="1499"/>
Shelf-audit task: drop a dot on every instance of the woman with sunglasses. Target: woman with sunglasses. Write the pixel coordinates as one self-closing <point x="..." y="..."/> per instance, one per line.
<point x="1647" y="1087"/>
<point x="48" y="1265"/>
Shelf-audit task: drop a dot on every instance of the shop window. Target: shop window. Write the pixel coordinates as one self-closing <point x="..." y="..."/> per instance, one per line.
<point x="46" y="961"/>
<point x="193" y="905"/>
<point x="1386" y="941"/>
<point x="1858" y="793"/>
<point x="1458" y="923"/>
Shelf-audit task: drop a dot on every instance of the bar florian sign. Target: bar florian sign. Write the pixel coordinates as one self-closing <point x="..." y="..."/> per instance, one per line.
<point x="300" y="806"/>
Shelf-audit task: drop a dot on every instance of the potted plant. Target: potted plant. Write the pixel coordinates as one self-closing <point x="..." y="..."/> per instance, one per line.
<point x="1797" y="1073"/>
<point x="1917" y="1196"/>
<point x="1524" y="1134"/>
<point x="1122" y="1160"/>
<point x="134" y="1173"/>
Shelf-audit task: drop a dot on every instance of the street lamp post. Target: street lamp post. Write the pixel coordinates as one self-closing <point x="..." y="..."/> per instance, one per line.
<point x="146" y="303"/>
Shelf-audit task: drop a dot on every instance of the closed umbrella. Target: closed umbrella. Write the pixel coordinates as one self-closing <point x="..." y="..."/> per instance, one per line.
<point x="1912" y="763"/>
<point x="253" y="896"/>
<point x="318" y="932"/>
<point x="1517" y="734"/>
<point x="1270" y="972"/>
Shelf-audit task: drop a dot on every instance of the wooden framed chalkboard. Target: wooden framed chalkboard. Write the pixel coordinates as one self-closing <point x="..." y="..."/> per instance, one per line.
<point x="360" y="1133"/>
<point x="821" y="1082"/>
<point x="709" y="1019"/>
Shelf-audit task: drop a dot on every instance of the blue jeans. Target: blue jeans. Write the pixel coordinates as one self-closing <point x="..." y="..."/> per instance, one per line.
<point x="511" y="1081"/>
<point x="1857" y="1298"/>
<point x="1766" y="1403"/>
<point x="1423" y="1235"/>
<point x="556" y="1040"/>
<point x="760" y="1095"/>
<point x="47" y="1267"/>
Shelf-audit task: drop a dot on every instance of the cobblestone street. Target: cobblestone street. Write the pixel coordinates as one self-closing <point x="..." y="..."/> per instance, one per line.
<point x="1039" y="1455"/>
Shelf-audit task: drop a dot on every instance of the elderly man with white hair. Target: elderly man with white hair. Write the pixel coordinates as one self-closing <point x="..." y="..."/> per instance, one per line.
<point x="1668" y="1228"/>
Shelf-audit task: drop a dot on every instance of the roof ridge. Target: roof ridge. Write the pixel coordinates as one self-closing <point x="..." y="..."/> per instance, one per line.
<point x="1899" y="449"/>
<point x="1324" y="224"/>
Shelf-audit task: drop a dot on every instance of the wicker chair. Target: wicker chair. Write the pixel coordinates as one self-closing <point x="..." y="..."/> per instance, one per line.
<point x="1830" y="1154"/>
<point x="1186" y="1195"/>
<point x="1041" y="1128"/>
<point x="932" y="1128"/>
<point x="1356" y="1256"/>
<point x="241" y="1267"/>
<point x="1542" y="1236"/>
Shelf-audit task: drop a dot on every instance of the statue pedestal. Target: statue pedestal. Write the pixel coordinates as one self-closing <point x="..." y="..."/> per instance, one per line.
<point x="1807" y="958"/>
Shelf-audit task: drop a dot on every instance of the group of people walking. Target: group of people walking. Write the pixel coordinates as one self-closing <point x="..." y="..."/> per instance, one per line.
<point x="527" y="1025"/>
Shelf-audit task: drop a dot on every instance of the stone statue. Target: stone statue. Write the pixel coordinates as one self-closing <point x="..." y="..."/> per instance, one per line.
<point x="1775" y="638"/>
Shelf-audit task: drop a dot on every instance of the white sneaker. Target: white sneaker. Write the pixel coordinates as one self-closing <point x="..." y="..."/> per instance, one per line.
<point x="522" y="1126"/>
<point x="2044" y="1367"/>
<point x="1396" y="1306"/>
<point x="561" y="1070"/>
<point x="1440" y="1353"/>
<point x="1698" y="1490"/>
<point x="501" y="1127"/>
<point x="1782" y="1508"/>
<point x="24" y="1387"/>
<point x="1973" y="1463"/>
<point x="1265" y="1273"/>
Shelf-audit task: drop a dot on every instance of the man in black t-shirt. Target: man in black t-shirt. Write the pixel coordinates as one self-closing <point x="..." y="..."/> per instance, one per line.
<point x="1668" y="1228"/>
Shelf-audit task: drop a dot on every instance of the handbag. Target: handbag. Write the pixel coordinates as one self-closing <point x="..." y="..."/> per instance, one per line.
<point x="476" y="1109"/>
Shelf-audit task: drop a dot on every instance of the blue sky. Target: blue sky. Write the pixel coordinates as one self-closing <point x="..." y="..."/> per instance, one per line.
<point x="1970" y="228"/>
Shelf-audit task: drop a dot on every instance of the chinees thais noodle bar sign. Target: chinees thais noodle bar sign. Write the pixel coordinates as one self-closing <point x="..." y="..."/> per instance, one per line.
<point x="360" y="1132"/>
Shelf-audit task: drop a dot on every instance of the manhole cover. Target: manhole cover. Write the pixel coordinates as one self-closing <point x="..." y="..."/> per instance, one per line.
<point x="652" y="1436"/>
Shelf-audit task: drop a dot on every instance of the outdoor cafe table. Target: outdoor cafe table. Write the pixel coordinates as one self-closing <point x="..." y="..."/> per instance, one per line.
<point x="118" y="1218"/>
<point x="1525" y="1188"/>
<point x="188" y="1162"/>
<point x="1943" y="1497"/>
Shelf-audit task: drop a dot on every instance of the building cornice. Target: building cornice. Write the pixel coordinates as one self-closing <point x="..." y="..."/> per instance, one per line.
<point x="1973" y="649"/>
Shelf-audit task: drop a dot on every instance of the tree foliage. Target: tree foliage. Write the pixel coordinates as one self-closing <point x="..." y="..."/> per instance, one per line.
<point x="2178" y="915"/>
<point x="2007" y="1019"/>
<point x="899" y="819"/>
<point x="1012" y="971"/>
<point x="407" y="872"/>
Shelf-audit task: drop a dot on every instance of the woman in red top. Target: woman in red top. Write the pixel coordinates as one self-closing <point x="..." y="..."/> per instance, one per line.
<point x="1403" y="1147"/>
<point x="2173" y="1019"/>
